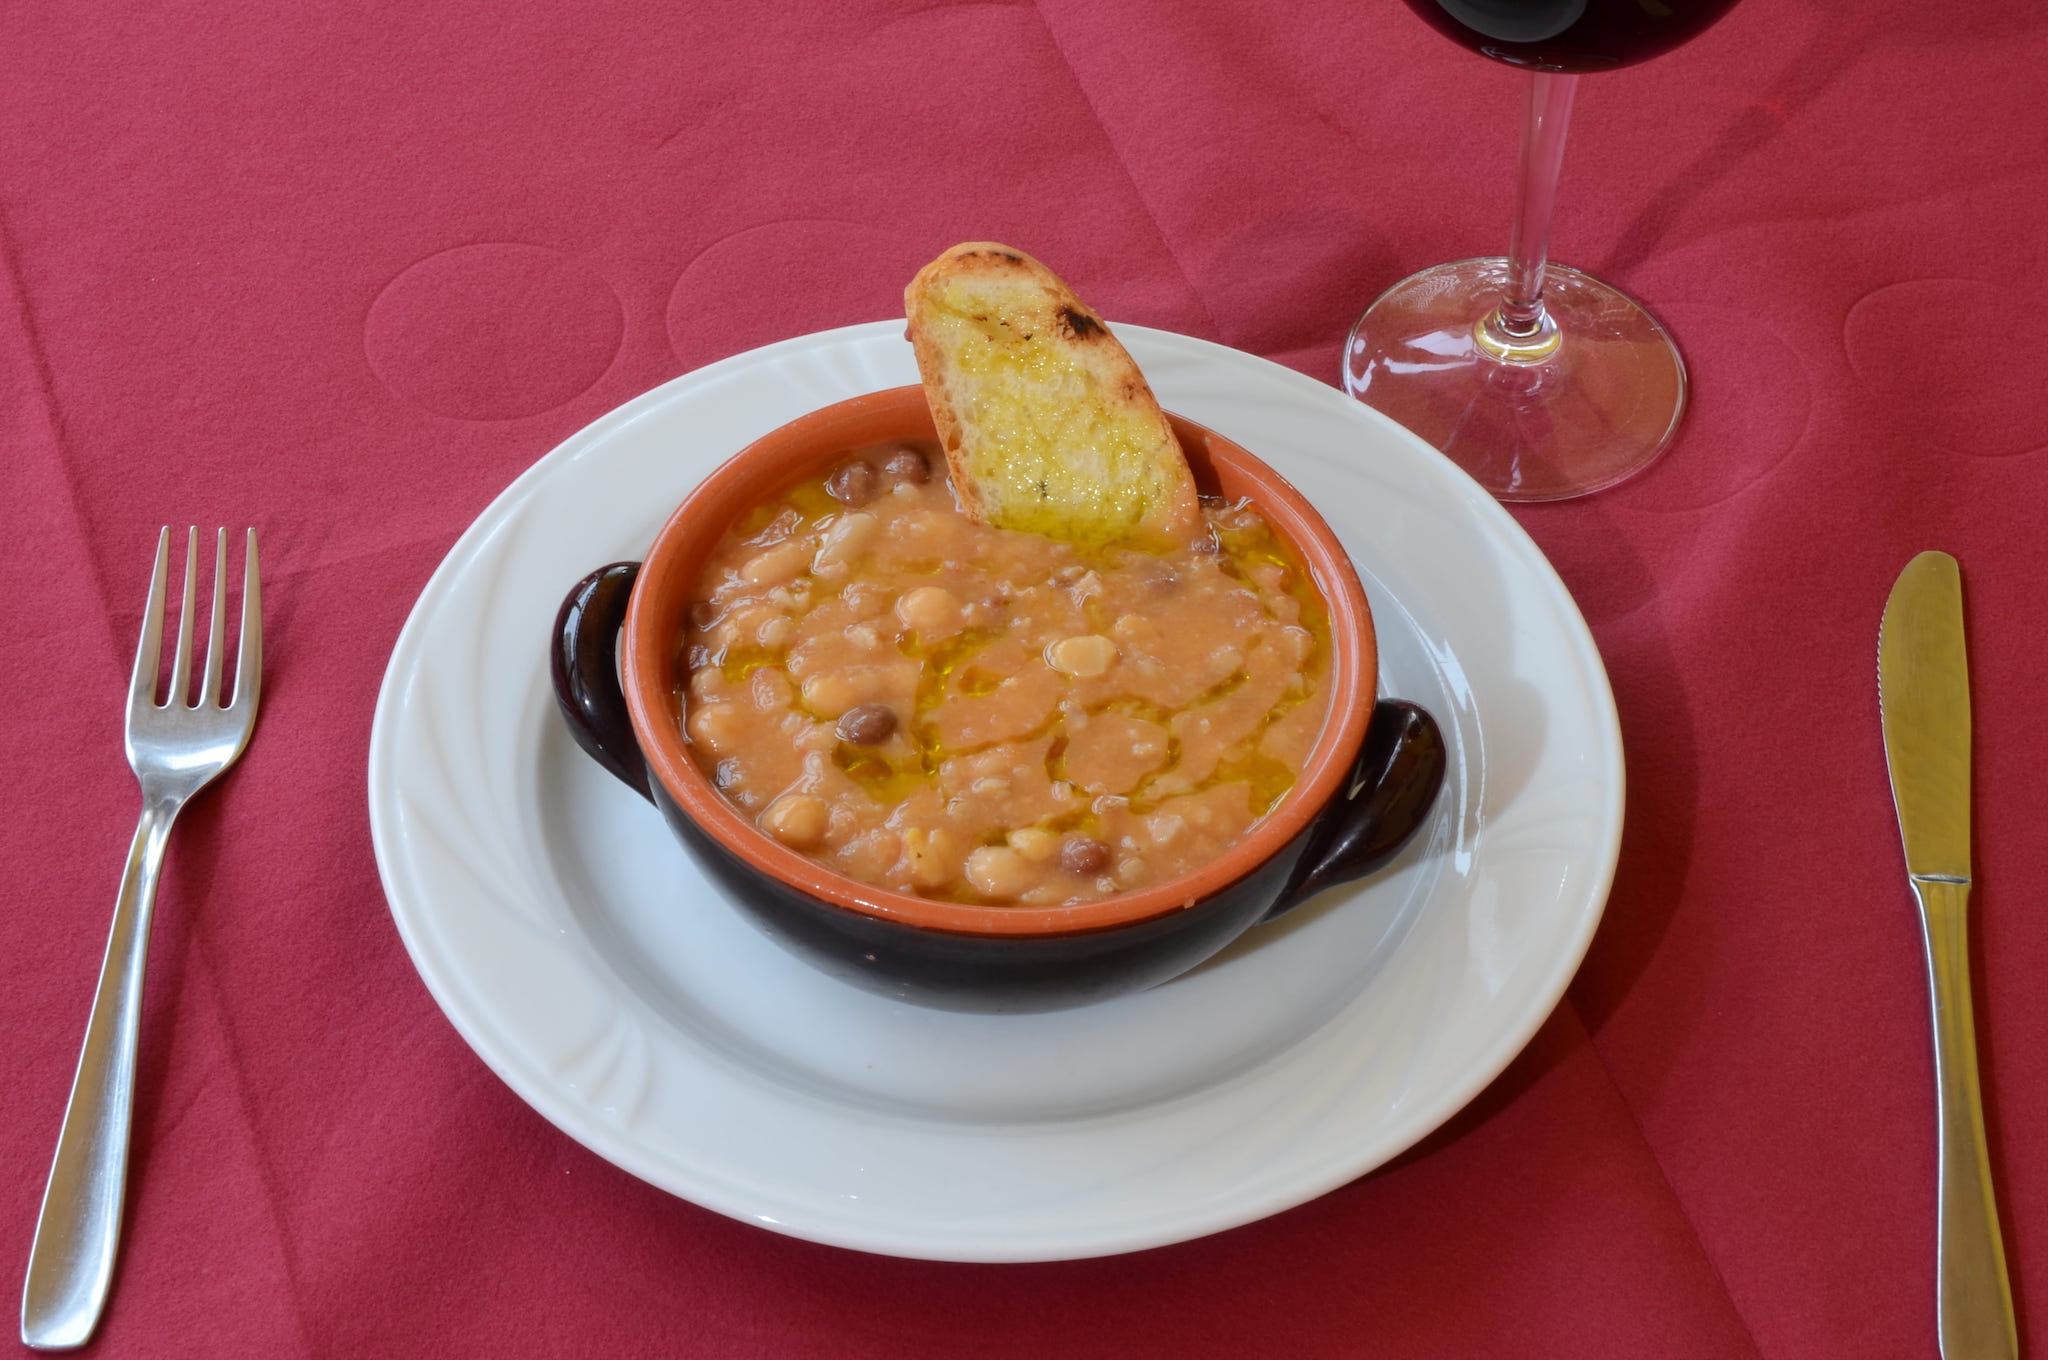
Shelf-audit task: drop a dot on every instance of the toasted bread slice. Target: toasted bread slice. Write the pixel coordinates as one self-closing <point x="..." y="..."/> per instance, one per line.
<point x="1047" y="424"/>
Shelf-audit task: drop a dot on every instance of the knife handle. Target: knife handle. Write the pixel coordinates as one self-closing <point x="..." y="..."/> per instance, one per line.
<point x="1973" y="1298"/>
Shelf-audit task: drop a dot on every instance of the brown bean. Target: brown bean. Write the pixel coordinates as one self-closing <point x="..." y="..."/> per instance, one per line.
<point x="1084" y="856"/>
<point x="853" y="483"/>
<point x="908" y="465"/>
<point x="867" y="724"/>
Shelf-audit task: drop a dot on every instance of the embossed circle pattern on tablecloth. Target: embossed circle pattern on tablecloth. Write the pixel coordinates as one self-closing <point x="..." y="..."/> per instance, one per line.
<point x="778" y="279"/>
<point x="1749" y="402"/>
<point x="493" y="331"/>
<point x="1932" y="348"/>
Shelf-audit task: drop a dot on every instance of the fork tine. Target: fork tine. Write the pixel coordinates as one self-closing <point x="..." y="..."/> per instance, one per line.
<point x="149" y="651"/>
<point x="181" y="661"/>
<point x="249" y="655"/>
<point x="209" y="688"/>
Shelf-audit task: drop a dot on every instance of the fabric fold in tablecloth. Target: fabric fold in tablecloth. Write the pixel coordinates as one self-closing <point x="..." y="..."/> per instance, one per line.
<point x="344" y="274"/>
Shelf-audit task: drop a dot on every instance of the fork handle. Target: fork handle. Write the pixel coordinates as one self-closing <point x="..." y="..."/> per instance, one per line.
<point x="71" y="1264"/>
<point x="1972" y="1295"/>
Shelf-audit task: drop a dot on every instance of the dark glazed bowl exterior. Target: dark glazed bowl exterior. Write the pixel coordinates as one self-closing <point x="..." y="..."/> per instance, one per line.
<point x="1362" y="793"/>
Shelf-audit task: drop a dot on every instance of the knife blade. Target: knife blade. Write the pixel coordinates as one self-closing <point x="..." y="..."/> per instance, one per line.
<point x="1923" y="686"/>
<point x="1923" y="679"/>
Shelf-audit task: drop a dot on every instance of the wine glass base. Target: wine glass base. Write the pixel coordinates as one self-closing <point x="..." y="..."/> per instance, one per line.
<point x="1595" y="410"/>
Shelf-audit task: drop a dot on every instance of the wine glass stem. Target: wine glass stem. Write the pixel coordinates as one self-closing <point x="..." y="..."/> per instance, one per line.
<point x="1520" y="330"/>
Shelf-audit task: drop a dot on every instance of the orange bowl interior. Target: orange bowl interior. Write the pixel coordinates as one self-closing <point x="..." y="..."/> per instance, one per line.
<point x="651" y="661"/>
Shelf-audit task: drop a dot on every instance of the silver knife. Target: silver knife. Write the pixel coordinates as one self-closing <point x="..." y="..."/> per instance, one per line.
<point x="1923" y="686"/>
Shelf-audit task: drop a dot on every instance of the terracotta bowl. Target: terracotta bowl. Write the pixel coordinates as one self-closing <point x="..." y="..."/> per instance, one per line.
<point x="1363" y="791"/>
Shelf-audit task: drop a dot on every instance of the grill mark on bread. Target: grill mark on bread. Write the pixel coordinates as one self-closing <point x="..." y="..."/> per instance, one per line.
<point x="1080" y="324"/>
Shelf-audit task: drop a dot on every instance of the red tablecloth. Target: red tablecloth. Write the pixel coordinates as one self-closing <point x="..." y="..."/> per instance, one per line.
<point x="343" y="271"/>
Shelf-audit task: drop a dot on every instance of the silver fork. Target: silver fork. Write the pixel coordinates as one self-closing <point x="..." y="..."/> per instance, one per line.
<point x="175" y="748"/>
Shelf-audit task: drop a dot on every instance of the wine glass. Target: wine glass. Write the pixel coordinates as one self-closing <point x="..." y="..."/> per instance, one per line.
<point x="1540" y="381"/>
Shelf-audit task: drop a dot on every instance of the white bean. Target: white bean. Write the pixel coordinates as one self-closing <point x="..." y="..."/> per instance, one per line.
<point x="779" y="564"/>
<point x="848" y="537"/>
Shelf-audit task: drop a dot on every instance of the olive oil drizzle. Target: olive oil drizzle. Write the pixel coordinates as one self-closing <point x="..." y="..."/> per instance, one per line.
<point x="947" y="664"/>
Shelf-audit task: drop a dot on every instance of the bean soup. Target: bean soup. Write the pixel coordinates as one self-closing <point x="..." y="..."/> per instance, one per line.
<point x="974" y="714"/>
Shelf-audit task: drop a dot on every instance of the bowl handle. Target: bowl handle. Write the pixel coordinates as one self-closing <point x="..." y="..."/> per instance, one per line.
<point x="1392" y="787"/>
<point x="586" y="672"/>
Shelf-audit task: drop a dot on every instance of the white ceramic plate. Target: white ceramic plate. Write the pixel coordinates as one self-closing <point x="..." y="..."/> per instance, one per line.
<point x="580" y="953"/>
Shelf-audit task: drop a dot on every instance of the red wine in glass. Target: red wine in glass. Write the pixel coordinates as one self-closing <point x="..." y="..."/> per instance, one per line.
<point x="1539" y="380"/>
<point x="1573" y="36"/>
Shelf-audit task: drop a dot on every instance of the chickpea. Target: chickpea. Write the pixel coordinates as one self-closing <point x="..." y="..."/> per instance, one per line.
<point x="1086" y="656"/>
<point x="716" y="727"/>
<point x="868" y="855"/>
<point x="1166" y="828"/>
<point x="798" y="820"/>
<point x="830" y="695"/>
<point x="932" y="611"/>
<point x="1135" y="629"/>
<point x="998" y="871"/>
<point x="1034" y="843"/>
<point x="932" y="855"/>
<point x="1271" y="575"/>
<point x="818" y="737"/>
